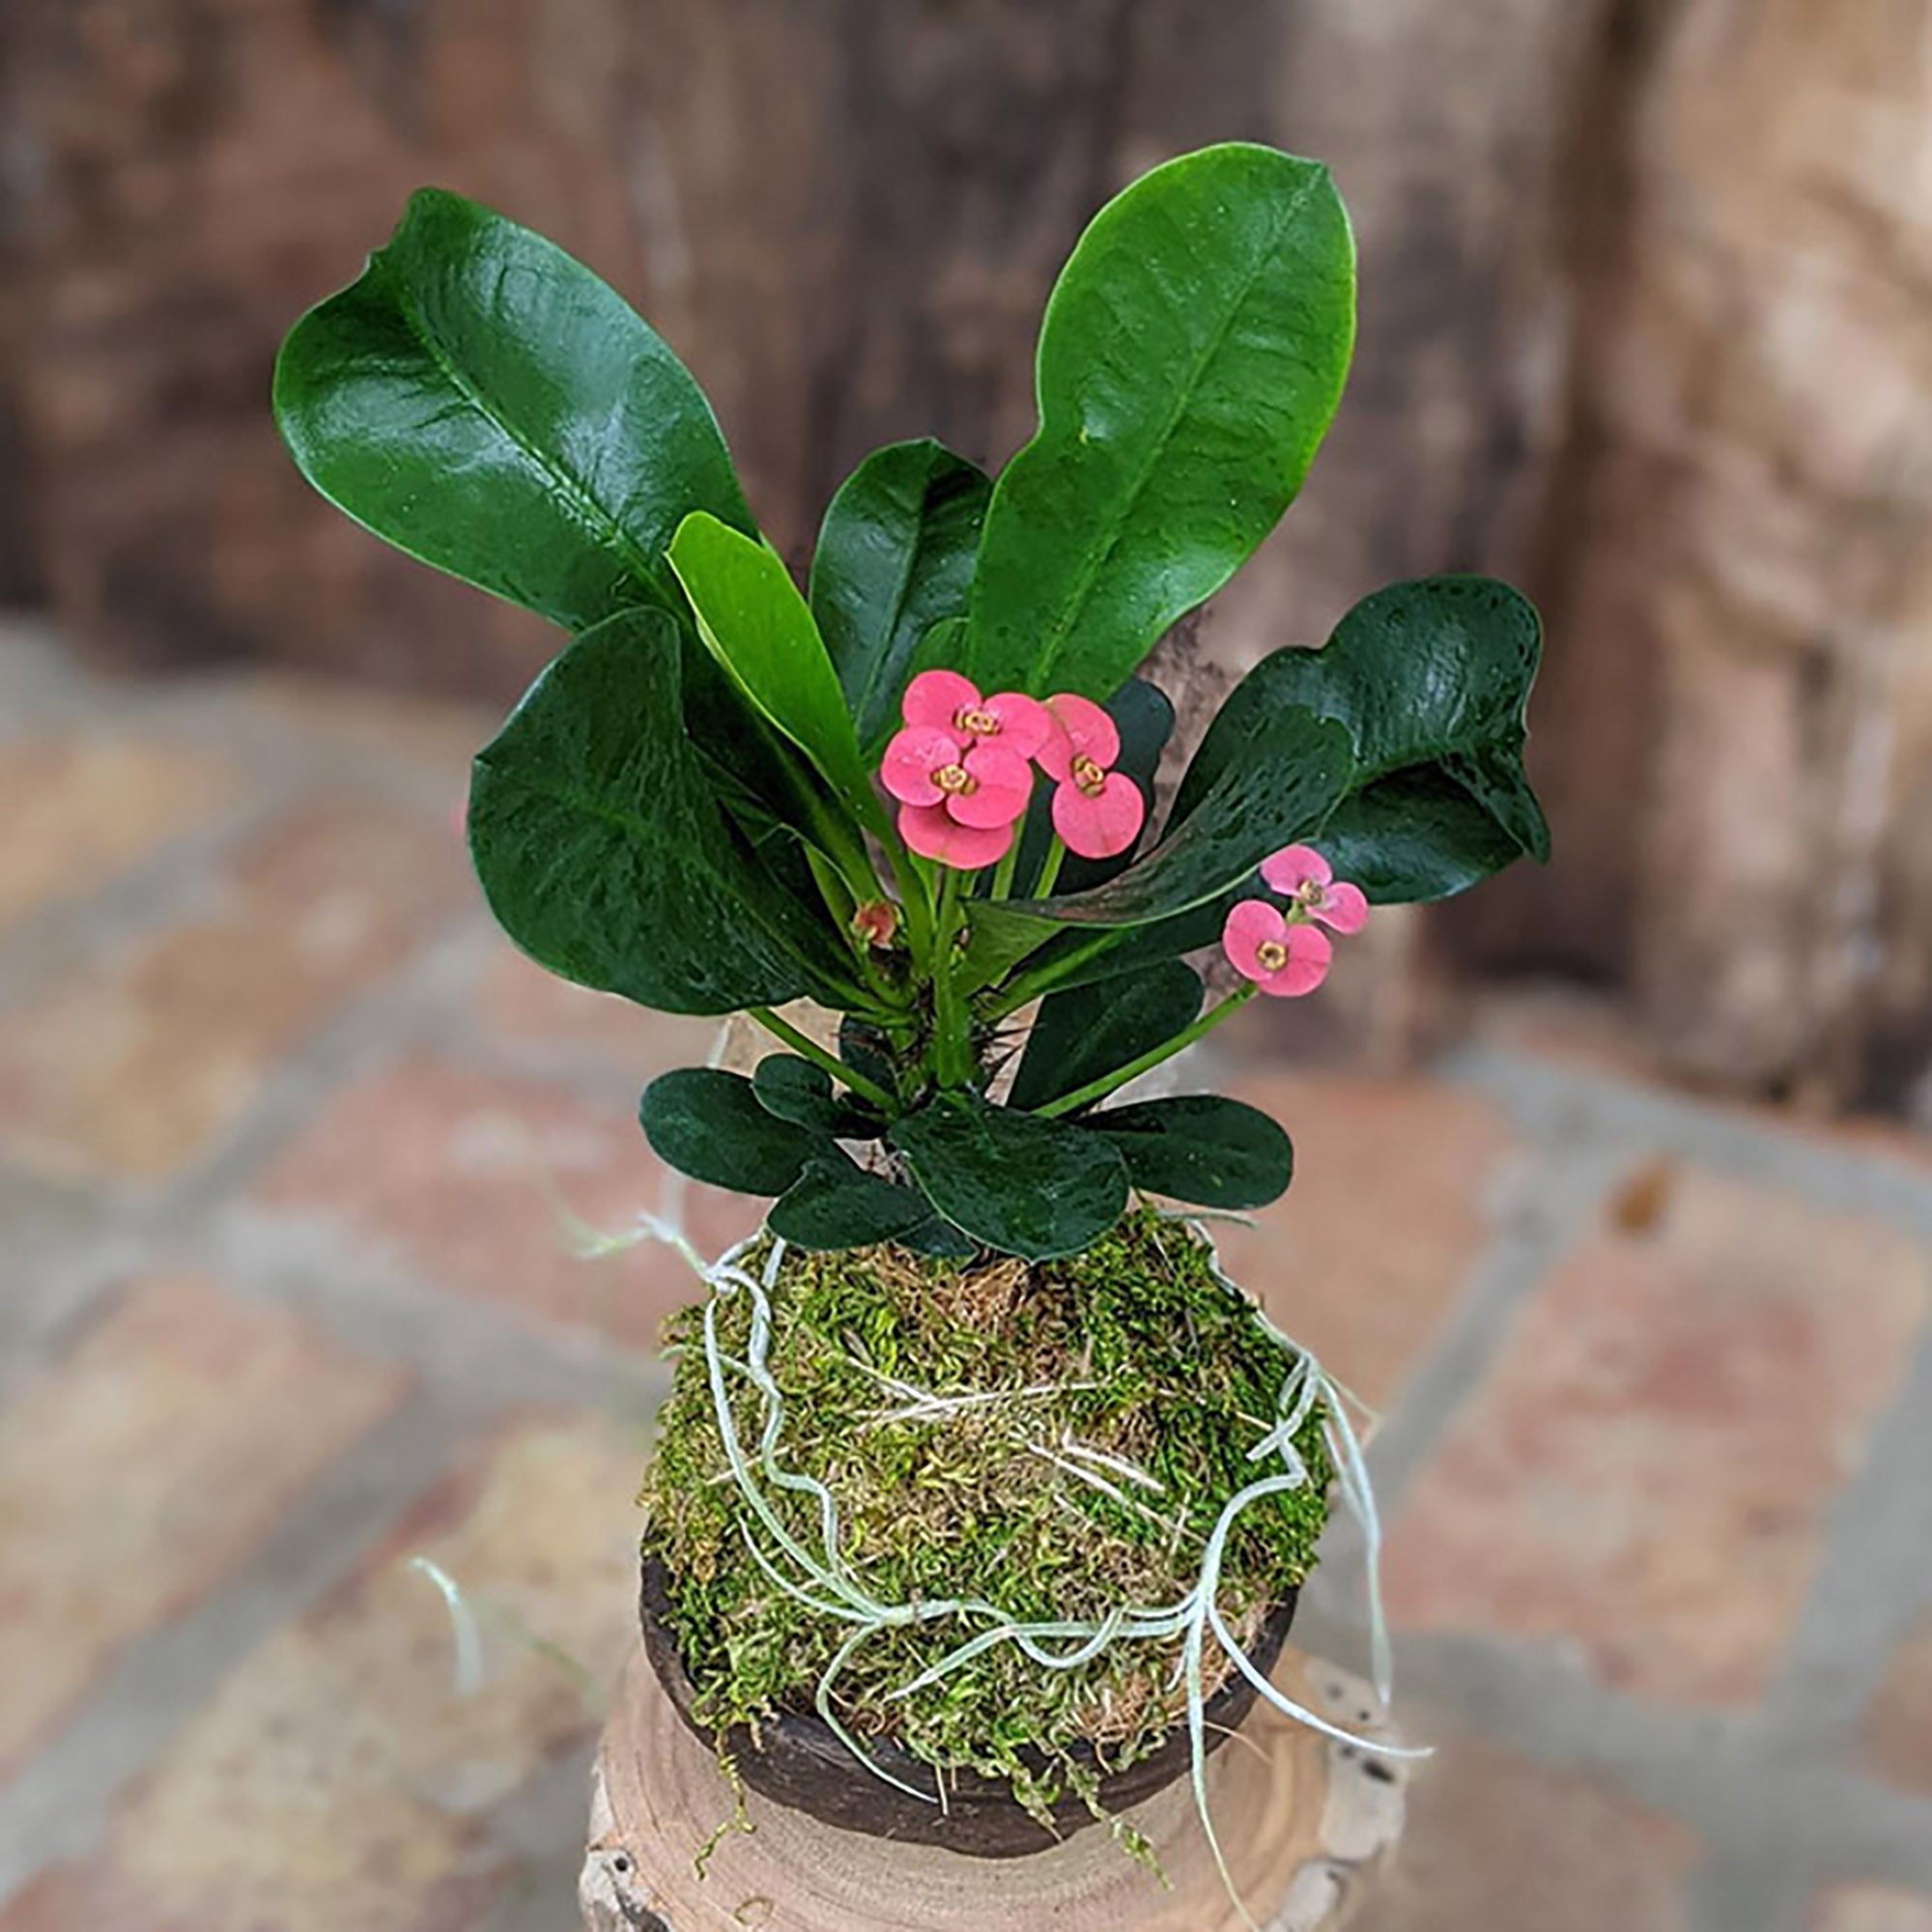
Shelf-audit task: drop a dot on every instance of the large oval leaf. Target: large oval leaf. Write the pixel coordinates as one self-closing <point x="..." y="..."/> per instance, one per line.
<point x="1191" y="356"/>
<point x="711" y="1125"/>
<point x="894" y="558"/>
<point x="756" y="625"/>
<point x="1085" y="1035"/>
<point x="1024" y="1186"/>
<point x="1431" y="679"/>
<point x="836" y="1204"/>
<point x="1201" y="1149"/>
<point x="606" y="854"/>
<point x="485" y="403"/>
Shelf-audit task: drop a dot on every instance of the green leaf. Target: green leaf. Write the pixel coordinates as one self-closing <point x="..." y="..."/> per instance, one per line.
<point x="1192" y="354"/>
<point x="1431" y="679"/>
<point x="711" y="1125"/>
<point x="756" y="624"/>
<point x="1024" y="1186"/>
<point x="798" y="1090"/>
<point x="1275" y="793"/>
<point x="485" y="403"/>
<point x="835" y="1204"/>
<point x="1201" y="1149"/>
<point x="603" y="851"/>
<point x="894" y="558"/>
<point x="1086" y="1033"/>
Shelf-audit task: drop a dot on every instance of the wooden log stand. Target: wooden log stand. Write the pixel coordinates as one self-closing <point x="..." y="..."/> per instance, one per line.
<point x="1305" y="1822"/>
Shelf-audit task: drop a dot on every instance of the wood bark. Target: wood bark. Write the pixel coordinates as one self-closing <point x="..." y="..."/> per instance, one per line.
<point x="1306" y="1824"/>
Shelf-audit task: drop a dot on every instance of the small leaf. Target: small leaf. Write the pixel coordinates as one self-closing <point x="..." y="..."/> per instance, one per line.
<point x="711" y="1125"/>
<point x="1431" y="679"/>
<point x="1026" y="1186"/>
<point x="894" y="558"/>
<point x="1191" y="356"/>
<point x="1201" y="1149"/>
<point x="1086" y="1033"/>
<point x="485" y="403"/>
<point x="753" y="621"/>
<point x="836" y="1204"/>
<point x="798" y="1090"/>
<point x="604" y="850"/>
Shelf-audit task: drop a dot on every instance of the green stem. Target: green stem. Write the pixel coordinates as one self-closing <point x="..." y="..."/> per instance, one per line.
<point x="809" y="1049"/>
<point x="1099" y="1089"/>
<point x="1003" y="873"/>
<point x="951" y="1023"/>
<point x="1044" y="978"/>
<point x="1049" y="869"/>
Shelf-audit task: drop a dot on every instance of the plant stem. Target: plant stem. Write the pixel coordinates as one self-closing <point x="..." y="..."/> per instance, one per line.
<point x="808" y="1048"/>
<point x="1003" y="873"/>
<point x="1044" y="978"/>
<point x="1099" y="1089"/>
<point x="1049" y="869"/>
<point x="951" y="1023"/>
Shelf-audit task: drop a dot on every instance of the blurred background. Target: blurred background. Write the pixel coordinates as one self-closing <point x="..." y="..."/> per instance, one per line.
<point x="1614" y="1186"/>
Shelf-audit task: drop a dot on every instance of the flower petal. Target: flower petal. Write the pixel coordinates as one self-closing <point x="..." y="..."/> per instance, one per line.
<point x="1003" y="785"/>
<point x="1343" y="906"/>
<point x="1250" y="925"/>
<point x="936" y="697"/>
<point x="1024" y="723"/>
<point x="911" y="759"/>
<point x="1102" y="825"/>
<point x="1308" y="955"/>
<point x="1294" y="866"/>
<point x="1086" y="732"/>
<point x="933" y="832"/>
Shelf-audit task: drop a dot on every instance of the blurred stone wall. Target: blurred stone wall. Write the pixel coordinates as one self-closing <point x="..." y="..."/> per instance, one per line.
<point x="1643" y="327"/>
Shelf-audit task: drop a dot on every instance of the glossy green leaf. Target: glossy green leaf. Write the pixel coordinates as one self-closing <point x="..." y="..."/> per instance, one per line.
<point x="894" y="558"/>
<point x="756" y="625"/>
<point x="1431" y="679"/>
<point x="1274" y="794"/>
<point x="1191" y="356"/>
<point x="1201" y="1149"/>
<point x="800" y="1092"/>
<point x="836" y="1204"/>
<point x="485" y="403"/>
<point x="711" y="1125"/>
<point x="1085" y="1035"/>
<point x="604" y="850"/>
<point x="1024" y="1186"/>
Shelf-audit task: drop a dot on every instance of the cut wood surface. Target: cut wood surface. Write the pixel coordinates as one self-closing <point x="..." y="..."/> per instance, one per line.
<point x="1305" y="1822"/>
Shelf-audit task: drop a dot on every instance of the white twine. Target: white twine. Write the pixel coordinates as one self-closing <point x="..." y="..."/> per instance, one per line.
<point x="824" y="1582"/>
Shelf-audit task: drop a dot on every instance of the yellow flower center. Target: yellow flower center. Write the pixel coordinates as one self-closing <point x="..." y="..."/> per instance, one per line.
<point x="1271" y="954"/>
<point x="1090" y="778"/>
<point x="955" y="778"/>
<point x="982" y="723"/>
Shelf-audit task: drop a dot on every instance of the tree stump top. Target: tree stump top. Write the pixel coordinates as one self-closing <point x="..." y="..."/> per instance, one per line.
<point x="1304" y="1822"/>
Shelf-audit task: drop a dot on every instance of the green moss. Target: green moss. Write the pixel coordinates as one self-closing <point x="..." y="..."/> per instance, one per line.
<point x="1135" y="1349"/>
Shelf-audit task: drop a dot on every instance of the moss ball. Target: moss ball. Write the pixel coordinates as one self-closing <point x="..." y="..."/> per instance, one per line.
<point x="1057" y="1440"/>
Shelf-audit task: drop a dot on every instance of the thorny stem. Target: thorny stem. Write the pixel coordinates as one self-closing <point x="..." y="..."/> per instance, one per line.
<point x="1099" y="1089"/>
<point x="804" y="1044"/>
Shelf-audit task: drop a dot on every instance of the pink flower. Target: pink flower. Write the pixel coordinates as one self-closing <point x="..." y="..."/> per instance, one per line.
<point x="943" y="700"/>
<point x="1097" y="811"/>
<point x="1300" y="874"/>
<point x="957" y="803"/>
<point x="1284" y="960"/>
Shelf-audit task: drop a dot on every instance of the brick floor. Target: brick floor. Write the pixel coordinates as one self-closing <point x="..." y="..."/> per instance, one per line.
<point x="286" y="1134"/>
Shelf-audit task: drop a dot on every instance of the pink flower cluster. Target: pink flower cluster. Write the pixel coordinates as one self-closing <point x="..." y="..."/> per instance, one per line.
<point x="962" y="771"/>
<point x="1281" y="952"/>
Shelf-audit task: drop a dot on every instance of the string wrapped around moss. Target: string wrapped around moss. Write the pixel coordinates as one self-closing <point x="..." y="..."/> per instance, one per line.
<point x="1054" y="1444"/>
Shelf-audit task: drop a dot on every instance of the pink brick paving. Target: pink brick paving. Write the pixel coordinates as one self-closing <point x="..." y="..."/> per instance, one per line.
<point x="282" y="1133"/>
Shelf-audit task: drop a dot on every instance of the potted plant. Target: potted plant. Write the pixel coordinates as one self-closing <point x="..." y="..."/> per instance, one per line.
<point x="983" y="1497"/>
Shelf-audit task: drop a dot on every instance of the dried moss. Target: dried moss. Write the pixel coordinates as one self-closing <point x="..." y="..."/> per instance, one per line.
<point x="1135" y="1349"/>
